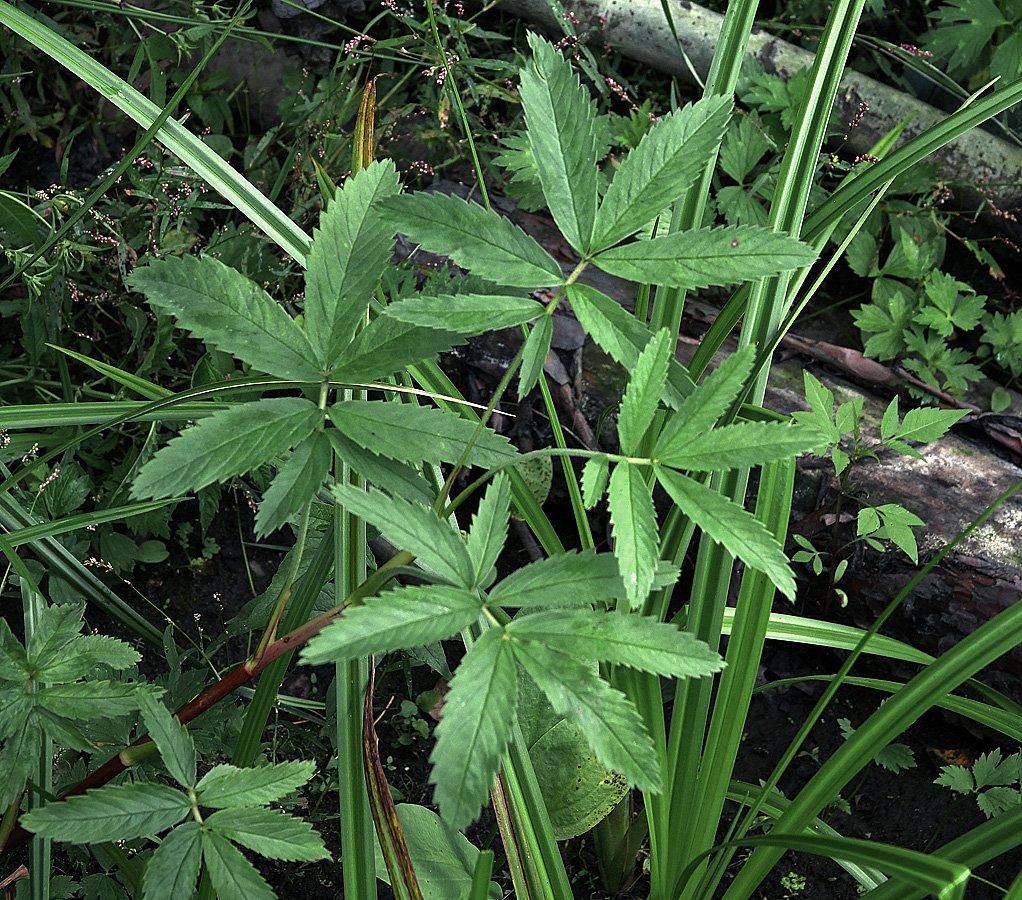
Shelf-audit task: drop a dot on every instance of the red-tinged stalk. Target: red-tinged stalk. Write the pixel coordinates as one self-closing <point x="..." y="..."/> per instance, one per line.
<point x="144" y="746"/>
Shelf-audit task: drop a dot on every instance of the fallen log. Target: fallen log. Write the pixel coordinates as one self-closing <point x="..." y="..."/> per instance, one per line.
<point x="639" y="30"/>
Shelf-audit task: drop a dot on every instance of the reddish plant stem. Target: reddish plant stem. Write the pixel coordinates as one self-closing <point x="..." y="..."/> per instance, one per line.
<point x="207" y="699"/>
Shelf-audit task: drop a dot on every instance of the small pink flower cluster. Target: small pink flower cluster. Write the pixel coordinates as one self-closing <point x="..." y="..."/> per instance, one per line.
<point x="914" y="51"/>
<point x="421" y="167"/>
<point x="355" y="41"/>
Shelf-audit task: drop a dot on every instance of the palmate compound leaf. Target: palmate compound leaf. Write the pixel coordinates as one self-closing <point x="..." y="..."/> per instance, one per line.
<point x="729" y="524"/>
<point x="624" y="337"/>
<point x="295" y="483"/>
<point x="232" y="875"/>
<point x="221" y="306"/>
<point x="642" y="396"/>
<point x="417" y="434"/>
<point x="707" y="256"/>
<point x="475" y="238"/>
<point x="269" y="832"/>
<point x="661" y="168"/>
<point x="177" y="749"/>
<point x="636" y="539"/>
<point x="112" y="813"/>
<point x="350" y="250"/>
<point x="465" y="313"/>
<point x="610" y="723"/>
<point x="415" y="528"/>
<point x="173" y="869"/>
<point x="561" y="121"/>
<point x="627" y="639"/>
<point x="225" y="786"/>
<point x="396" y="620"/>
<point x="227" y="443"/>
<point x="475" y="730"/>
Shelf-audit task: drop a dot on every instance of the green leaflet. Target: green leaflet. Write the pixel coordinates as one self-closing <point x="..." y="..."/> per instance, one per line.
<point x="488" y="531"/>
<point x="636" y="540"/>
<point x="59" y="728"/>
<point x="177" y="750"/>
<point x="226" y="444"/>
<point x="608" y="720"/>
<point x="465" y="313"/>
<point x="623" y="337"/>
<point x="56" y="653"/>
<point x="568" y="579"/>
<point x="443" y="857"/>
<point x="537" y="347"/>
<point x="661" y="168"/>
<point x="640" y="642"/>
<point x="295" y="483"/>
<point x="417" y="433"/>
<point x="475" y="238"/>
<point x="707" y="402"/>
<point x="269" y="832"/>
<point x="475" y="730"/>
<point x="386" y="346"/>
<point x="729" y="524"/>
<point x="174" y="867"/>
<point x="578" y="791"/>
<point x="350" y="250"/>
<point x="594" y="480"/>
<point x="393" y="476"/>
<point x="745" y="444"/>
<point x="561" y="122"/>
<point x="642" y="396"/>
<point x="233" y="876"/>
<point x="221" y="306"/>
<point x="396" y="620"/>
<point x="707" y="256"/>
<point x="113" y="813"/>
<point x="227" y="786"/>
<point x="20" y="755"/>
<point x="417" y="529"/>
<point x="926" y="424"/>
